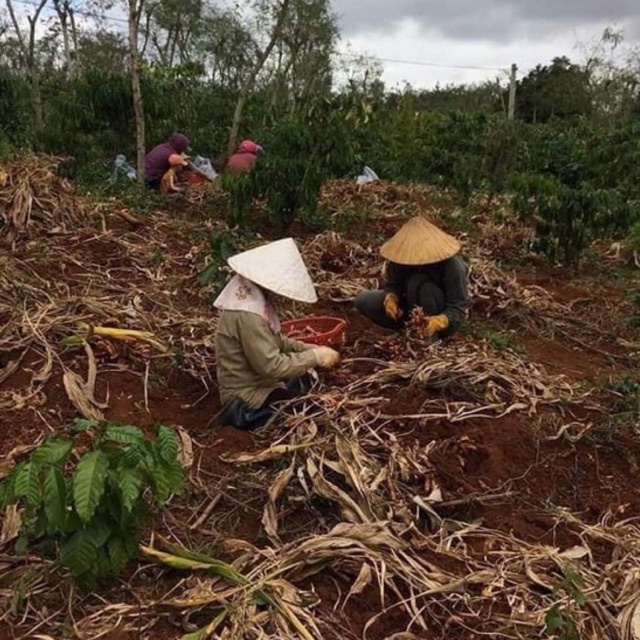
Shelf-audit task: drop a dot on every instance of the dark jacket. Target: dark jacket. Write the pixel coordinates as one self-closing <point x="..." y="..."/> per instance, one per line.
<point x="156" y="163"/>
<point x="449" y="275"/>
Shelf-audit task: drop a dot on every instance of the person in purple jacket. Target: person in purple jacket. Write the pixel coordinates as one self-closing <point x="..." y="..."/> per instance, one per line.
<point x="156" y="163"/>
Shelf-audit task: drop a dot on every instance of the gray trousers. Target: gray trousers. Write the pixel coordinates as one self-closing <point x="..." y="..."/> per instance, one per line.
<point x="371" y="305"/>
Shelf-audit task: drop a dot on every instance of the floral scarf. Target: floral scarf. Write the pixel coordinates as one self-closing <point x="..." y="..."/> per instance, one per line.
<point x="241" y="294"/>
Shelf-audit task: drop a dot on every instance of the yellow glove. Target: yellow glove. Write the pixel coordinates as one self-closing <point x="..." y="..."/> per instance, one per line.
<point x="436" y="324"/>
<point x="392" y="306"/>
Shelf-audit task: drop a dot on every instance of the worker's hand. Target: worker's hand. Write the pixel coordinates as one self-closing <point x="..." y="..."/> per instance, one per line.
<point x="327" y="357"/>
<point x="392" y="307"/>
<point x="435" y="324"/>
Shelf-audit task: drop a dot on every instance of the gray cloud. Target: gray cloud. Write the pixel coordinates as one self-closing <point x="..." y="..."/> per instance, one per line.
<point x="493" y="20"/>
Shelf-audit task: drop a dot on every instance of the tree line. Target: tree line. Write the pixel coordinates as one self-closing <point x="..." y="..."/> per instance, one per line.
<point x="73" y="83"/>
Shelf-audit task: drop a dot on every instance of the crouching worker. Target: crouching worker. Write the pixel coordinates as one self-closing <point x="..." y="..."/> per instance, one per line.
<point x="156" y="162"/>
<point x="257" y="365"/>
<point x="244" y="158"/>
<point x="170" y="180"/>
<point x="424" y="271"/>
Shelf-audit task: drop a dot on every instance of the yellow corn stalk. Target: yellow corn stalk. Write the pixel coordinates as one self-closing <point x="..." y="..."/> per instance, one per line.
<point x="114" y="332"/>
<point x="126" y="335"/>
<point x="272" y="453"/>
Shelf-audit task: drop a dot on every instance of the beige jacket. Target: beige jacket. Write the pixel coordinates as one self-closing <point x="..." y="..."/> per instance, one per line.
<point x="253" y="361"/>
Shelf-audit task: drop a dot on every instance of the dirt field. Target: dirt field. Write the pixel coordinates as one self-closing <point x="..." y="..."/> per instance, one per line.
<point x="485" y="472"/>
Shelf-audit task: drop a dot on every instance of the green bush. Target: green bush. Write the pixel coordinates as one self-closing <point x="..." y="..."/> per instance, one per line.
<point x="15" y="110"/>
<point x="302" y="152"/>
<point x="591" y="164"/>
<point x="89" y="507"/>
<point x="566" y="218"/>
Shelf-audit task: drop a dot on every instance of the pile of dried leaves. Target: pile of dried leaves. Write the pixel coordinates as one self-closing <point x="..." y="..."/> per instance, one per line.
<point x="381" y="198"/>
<point x="35" y="199"/>
<point x="475" y="380"/>
<point x="341" y="268"/>
<point x="390" y="537"/>
<point x="96" y="301"/>
<point x="386" y="530"/>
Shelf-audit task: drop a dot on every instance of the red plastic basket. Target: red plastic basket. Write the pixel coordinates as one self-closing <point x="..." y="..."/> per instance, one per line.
<point x="322" y="330"/>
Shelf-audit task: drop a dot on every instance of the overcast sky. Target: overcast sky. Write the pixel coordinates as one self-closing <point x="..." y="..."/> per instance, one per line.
<point x="477" y="33"/>
<point x="489" y="34"/>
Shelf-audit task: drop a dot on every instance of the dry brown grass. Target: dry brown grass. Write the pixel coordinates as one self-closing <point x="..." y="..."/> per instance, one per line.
<point x="387" y="530"/>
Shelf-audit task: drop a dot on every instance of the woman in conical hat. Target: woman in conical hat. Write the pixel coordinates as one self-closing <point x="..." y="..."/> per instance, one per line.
<point x="424" y="271"/>
<point x="257" y="365"/>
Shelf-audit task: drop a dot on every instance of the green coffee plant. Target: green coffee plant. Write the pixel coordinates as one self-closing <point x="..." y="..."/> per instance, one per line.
<point x="241" y="194"/>
<point x="566" y="218"/>
<point x="290" y="174"/>
<point x="88" y="508"/>
<point x="503" y="341"/>
<point x="303" y="150"/>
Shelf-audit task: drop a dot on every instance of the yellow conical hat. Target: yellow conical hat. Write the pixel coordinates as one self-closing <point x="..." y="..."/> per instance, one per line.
<point x="419" y="242"/>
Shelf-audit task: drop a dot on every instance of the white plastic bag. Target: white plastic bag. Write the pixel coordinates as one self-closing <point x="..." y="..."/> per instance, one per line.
<point x="122" y="168"/>
<point x="368" y="175"/>
<point x="204" y="166"/>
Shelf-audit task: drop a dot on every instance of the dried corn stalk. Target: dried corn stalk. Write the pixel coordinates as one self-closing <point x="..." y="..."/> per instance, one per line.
<point x="35" y="199"/>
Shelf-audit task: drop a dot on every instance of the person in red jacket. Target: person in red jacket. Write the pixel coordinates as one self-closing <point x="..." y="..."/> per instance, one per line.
<point x="244" y="158"/>
<point x="156" y="163"/>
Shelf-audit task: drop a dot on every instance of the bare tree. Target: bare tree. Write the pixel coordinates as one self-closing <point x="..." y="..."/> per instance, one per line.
<point x="310" y="35"/>
<point x="172" y="27"/>
<point x="68" y="26"/>
<point x="135" y="13"/>
<point x="613" y="74"/>
<point x="27" y="46"/>
<point x="281" y="16"/>
<point x="227" y="47"/>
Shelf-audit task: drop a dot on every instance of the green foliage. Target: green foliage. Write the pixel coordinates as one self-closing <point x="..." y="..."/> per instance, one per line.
<point x="568" y="218"/>
<point x="500" y="154"/>
<point x="15" y="111"/>
<point x="576" y="181"/>
<point x="558" y="90"/>
<point x="502" y="341"/>
<point x="627" y="391"/>
<point x="241" y="195"/>
<point x="303" y="151"/>
<point x="92" y="510"/>
<point x="559" y="620"/>
<point x="560" y="624"/>
<point x="89" y="484"/>
<point x="224" y="243"/>
<point x="575" y="172"/>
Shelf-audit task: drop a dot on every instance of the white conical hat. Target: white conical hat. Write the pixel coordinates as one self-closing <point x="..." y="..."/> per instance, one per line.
<point x="278" y="267"/>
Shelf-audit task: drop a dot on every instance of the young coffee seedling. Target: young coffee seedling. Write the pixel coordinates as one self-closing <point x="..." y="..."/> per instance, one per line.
<point x="89" y="507"/>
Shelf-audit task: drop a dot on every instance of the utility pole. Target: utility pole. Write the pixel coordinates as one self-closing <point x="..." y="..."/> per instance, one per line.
<point x="512" y="92"/>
